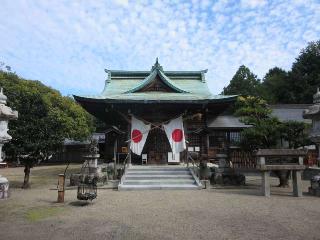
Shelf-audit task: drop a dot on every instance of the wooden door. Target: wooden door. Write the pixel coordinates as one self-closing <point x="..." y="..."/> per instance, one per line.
<point x="157" y="147"/>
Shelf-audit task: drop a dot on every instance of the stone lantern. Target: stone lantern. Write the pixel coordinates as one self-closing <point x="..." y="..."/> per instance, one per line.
<point x="6" y="114"/>
<point x="313" y="113"/>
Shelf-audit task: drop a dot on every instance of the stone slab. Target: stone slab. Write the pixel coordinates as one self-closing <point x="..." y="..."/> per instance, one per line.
<point x="280" y="167"/>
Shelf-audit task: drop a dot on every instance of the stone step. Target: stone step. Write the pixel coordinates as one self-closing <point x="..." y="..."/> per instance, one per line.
<point x="158" y="172"/>
<point x="159" y="187"/>
<point x="158" y="177"/>
<point x="158" y="169"/>
<point x="158" y="181"/>
<point x="157" y="166"/>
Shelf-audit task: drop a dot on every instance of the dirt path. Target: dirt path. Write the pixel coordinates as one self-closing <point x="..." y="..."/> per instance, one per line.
<point x="232" y="213"/>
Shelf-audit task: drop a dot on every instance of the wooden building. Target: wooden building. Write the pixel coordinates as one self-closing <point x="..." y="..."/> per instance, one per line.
<point x="157" y="96"/>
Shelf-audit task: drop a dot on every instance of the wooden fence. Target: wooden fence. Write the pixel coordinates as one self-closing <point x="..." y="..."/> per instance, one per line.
<point x="242" y="159"/>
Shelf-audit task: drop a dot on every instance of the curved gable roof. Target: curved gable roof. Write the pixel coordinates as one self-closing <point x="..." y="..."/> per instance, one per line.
<point x="188" y="86"/>
<point x="153" y="77"/>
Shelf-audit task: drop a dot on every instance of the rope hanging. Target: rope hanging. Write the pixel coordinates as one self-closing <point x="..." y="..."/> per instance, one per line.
<point x="155" y="125"/>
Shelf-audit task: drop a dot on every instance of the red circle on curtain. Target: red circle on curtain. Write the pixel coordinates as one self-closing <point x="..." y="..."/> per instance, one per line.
<point x="177" y="135"/>
<point x="136" y="135"/>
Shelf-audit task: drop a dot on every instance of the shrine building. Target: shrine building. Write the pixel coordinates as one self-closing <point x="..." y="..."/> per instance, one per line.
<point x="155" y="97"/>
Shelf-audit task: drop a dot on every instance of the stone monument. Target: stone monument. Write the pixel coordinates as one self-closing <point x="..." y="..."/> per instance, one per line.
<point x="6" y="114"/>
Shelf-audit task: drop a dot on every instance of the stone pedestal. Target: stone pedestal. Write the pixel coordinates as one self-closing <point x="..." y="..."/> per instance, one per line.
<point x="4" y="187"/>
<point x="225" y="175"/>
<point x="92" y="161"/>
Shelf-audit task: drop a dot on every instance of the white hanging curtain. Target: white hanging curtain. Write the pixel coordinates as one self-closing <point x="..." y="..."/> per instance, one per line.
<point x="139" y="134"/>
<point x="175" y="133"/>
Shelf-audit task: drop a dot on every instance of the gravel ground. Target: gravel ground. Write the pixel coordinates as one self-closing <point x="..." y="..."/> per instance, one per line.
<point x="215" y="213"/>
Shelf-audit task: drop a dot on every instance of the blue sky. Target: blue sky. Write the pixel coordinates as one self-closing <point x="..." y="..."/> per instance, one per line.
<point x="68" y="44"/>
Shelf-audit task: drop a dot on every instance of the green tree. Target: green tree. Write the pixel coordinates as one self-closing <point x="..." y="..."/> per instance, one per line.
<point x="264" y="131"/>
<point x="304" y="77"/>
<point x="244" y="82"/>
<point x="295" y="133"/>
<point x="267" y="131"/>
<point x="45" y="119"/>
<point x="275" y="87"/>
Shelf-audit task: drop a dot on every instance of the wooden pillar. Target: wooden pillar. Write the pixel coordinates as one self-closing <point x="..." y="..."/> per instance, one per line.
<point x="115" y="146"/>
<point x="297" y="183"/>
<point x="61" y="181"/>
<point x="265" y="185"/>
<point x="106" y="147"/>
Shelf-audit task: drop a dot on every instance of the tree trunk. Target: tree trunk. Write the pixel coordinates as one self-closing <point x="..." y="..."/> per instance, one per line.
<point x="283" y="176"/>
<point x="26" y="177"/>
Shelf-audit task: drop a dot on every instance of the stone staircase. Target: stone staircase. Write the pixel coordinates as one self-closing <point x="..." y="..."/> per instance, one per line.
<point x="158" y="177"/>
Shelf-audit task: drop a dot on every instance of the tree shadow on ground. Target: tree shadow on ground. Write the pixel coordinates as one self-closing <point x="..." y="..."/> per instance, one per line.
<point x="15" y="184"/>
<point x="80" y="203"/>
<point x="226" y="187"/>
<point x="236" y="191"/>
<point x="255" y="190"/>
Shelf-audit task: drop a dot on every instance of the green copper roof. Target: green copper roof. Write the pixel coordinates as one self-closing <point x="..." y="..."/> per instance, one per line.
<point x="156" y="70"/>
<point x="186" y="86"/>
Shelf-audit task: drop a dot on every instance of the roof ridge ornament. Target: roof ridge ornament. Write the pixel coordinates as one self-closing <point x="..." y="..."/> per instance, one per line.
<point x="157" y="70"/>
<point x="108" y="80"/>
<point x="203" y="77"/>
<point x="157" y="66"/>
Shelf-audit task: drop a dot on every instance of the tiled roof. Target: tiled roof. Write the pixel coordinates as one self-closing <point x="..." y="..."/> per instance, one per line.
<point x="157" y="71"/>
<point x="226" y="121"/>
<point x="290" y="112"/>
<point x="186" y="85"/>
<point x="284" y="112"/>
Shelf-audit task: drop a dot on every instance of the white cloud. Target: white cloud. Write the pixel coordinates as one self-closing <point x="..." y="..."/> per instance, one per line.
<point x="67" y="44"/>
<point x="122" y="2"/>
<point x="253" y="3"/>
